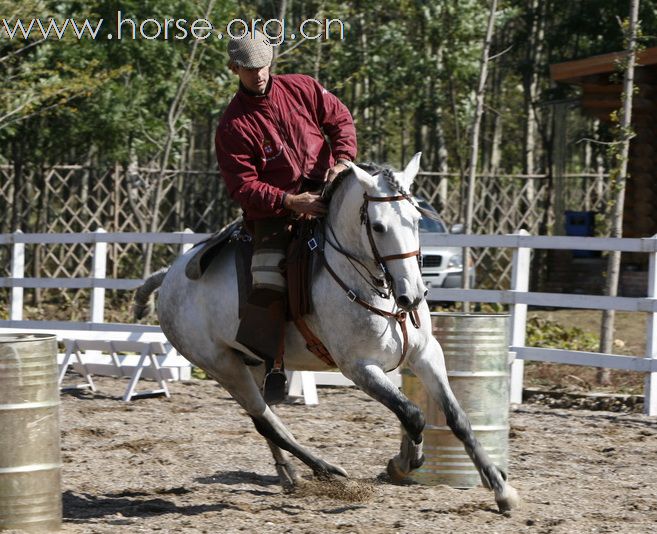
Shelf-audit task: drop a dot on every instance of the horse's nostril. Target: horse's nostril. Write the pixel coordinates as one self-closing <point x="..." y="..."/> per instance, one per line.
<point x="403" y="300"/>
<point x="426" y="292"/>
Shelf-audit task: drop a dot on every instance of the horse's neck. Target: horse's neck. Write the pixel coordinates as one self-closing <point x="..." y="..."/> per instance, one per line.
<point x="344" y="214"/>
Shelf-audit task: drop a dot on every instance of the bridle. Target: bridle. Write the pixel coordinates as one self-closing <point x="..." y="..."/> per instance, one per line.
<point x="401" y="315"/>
<point x="365" y="219"/>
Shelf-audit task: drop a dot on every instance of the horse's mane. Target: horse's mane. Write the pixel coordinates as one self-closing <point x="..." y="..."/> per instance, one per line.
<point x="387" y="173"/>
<point x="371" y="168"/>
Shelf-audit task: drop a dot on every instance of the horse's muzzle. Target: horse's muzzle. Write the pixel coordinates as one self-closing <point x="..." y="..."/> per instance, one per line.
<point x="408" y="304"/>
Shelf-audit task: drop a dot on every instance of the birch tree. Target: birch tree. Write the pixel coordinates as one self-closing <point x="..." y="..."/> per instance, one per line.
<point x="474" y="142"/>
<point x="620" y="151"/>
<point x="173" y="122"/>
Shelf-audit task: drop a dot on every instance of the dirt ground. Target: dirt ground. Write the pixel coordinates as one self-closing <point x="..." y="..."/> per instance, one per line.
<point x="194" y="463"/>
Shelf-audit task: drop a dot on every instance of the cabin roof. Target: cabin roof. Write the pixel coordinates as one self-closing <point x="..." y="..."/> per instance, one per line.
<point x="577" y="71"/>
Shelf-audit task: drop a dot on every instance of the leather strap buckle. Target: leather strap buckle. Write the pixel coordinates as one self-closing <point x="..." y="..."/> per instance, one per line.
<point x="351" y="295"/>
<point x="312" y="244"/>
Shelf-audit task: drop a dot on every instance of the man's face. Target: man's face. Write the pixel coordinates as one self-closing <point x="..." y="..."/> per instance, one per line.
<point x="255" y="80"/>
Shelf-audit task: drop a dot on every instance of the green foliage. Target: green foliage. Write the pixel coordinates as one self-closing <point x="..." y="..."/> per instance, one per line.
<point x="550" y="334"/>
<point x="109" y="94"/>
<point x="407" y="70"/>
<point x="199" y="374"/>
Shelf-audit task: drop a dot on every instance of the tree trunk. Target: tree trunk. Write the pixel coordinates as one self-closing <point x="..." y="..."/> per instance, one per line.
<point x="474" y="143"/>
<point x="281" y="16"/>
<point x="492" y="167"/>
<point x="530" y="86"/>
<point x="318" y="58"/>
<point x="618" y="186"/>
<point x="175" y="112"/>
<point x="368" y="125"/>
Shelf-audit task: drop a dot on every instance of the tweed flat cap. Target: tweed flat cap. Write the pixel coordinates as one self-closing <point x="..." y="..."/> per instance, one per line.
<point x="250" y="51"/>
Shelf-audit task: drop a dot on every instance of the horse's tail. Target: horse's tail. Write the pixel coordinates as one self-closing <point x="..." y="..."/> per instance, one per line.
<point x="143" y="305"/>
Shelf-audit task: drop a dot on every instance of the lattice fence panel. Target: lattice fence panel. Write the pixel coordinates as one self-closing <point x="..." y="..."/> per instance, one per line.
<point x="82" y="199"/>
<point x="505" y="205"/>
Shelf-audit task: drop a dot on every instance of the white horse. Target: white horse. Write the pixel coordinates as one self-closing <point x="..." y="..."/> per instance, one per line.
<point x="371" y="246"/>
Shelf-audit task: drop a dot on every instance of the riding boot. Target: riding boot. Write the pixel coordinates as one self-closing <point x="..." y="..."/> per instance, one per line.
<point x="262" y="327"/>
<point x="262" y="330"/>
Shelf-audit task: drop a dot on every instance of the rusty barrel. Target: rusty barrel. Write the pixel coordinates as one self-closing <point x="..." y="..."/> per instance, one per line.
<point x="476" y="352"/>
<point x="30" y="458"/>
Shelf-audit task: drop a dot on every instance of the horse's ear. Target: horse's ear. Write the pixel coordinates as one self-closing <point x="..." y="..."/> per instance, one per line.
<point x="411" y="171"/>
<point x="363" y="176"/>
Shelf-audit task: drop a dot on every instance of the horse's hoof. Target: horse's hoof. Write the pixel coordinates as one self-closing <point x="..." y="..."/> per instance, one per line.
<point x="288" y="476"/>
<point x="508" y="499"/>
<point x="327" y="471"/>
<point x="417" y="463"/>
<point x="395" y="472"/>
<point x="337" y="470"/>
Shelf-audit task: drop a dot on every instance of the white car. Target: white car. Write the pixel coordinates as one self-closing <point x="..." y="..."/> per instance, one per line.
<point x="441" y="266"/>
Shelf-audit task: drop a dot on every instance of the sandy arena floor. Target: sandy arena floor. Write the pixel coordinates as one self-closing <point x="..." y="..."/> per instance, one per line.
<point x="194" y="463"/>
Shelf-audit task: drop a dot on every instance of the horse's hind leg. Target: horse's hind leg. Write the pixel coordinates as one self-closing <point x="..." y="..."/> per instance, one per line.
<point x="373" y="381"/>
<point x="231" y="372"/>
<point x="429" y="365"/>
<point x="286" y="471"/>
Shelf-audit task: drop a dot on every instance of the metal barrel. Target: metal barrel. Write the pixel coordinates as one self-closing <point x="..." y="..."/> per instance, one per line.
<point x="476" y="352"/>
<point x="30" y="457"/>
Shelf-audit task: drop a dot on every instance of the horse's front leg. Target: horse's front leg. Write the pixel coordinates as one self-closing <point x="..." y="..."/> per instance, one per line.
<point x="429" y="365"/>
<point x="231" y="372"/>
<point x="373" y="381"/>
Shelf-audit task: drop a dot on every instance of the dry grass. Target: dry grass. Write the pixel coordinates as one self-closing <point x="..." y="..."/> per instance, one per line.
<point x="630" y="339"/>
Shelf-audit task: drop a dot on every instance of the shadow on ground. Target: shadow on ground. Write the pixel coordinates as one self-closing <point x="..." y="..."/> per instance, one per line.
<point x="79" y="507"/>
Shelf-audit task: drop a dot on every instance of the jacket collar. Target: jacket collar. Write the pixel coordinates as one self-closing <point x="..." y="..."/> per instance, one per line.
<point x="251" y="98"/>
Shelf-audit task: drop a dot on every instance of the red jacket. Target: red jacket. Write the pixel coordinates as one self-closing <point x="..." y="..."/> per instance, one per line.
<point x="265" y="144"/>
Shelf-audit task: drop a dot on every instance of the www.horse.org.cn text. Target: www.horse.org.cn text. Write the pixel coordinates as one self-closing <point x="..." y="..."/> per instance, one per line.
<point x="177" y="29"/>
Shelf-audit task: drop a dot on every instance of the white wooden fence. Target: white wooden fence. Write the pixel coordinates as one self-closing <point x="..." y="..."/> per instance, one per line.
<point x="517" y="297"/>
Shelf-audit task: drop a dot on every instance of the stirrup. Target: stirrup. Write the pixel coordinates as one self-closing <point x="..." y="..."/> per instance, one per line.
<point x="273" y="388"/>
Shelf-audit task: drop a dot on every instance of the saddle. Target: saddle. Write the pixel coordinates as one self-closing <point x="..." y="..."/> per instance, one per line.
<point x="207" y="249"/>
<point x="298" y="272"/>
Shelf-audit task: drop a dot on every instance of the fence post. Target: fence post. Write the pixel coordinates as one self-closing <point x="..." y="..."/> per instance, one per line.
<point x="98" y="272"/>
<point x="520" y="283"/>
<point x="186" y="246"/>
<point x="17" y="271"/>
<point x="650" y="391"/>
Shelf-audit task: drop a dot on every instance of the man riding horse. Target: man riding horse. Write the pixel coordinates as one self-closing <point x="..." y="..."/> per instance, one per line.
<point x="274" y="157"/>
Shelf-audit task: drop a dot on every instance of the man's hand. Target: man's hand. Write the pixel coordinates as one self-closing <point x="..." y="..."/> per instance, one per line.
<point x="332" y="173"/>
<point x="305" y="204"/>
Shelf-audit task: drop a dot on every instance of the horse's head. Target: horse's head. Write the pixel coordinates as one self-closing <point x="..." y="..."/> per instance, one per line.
<point x="389" y="229"/>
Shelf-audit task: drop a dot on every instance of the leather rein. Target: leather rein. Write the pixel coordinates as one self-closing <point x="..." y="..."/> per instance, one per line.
<point x="399" y="316"/>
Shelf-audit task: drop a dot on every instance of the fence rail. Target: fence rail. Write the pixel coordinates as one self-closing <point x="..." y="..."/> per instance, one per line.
<point x="517" y="297"/>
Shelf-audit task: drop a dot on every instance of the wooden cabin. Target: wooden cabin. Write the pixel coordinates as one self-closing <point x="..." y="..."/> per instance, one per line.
<point x="601" y="90"/>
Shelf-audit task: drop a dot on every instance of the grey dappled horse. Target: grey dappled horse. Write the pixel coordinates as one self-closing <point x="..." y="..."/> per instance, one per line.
<point x="370" y="216"/>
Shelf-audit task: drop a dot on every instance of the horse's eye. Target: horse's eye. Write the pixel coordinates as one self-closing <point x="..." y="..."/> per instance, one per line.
<point x="378" y="228"/>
